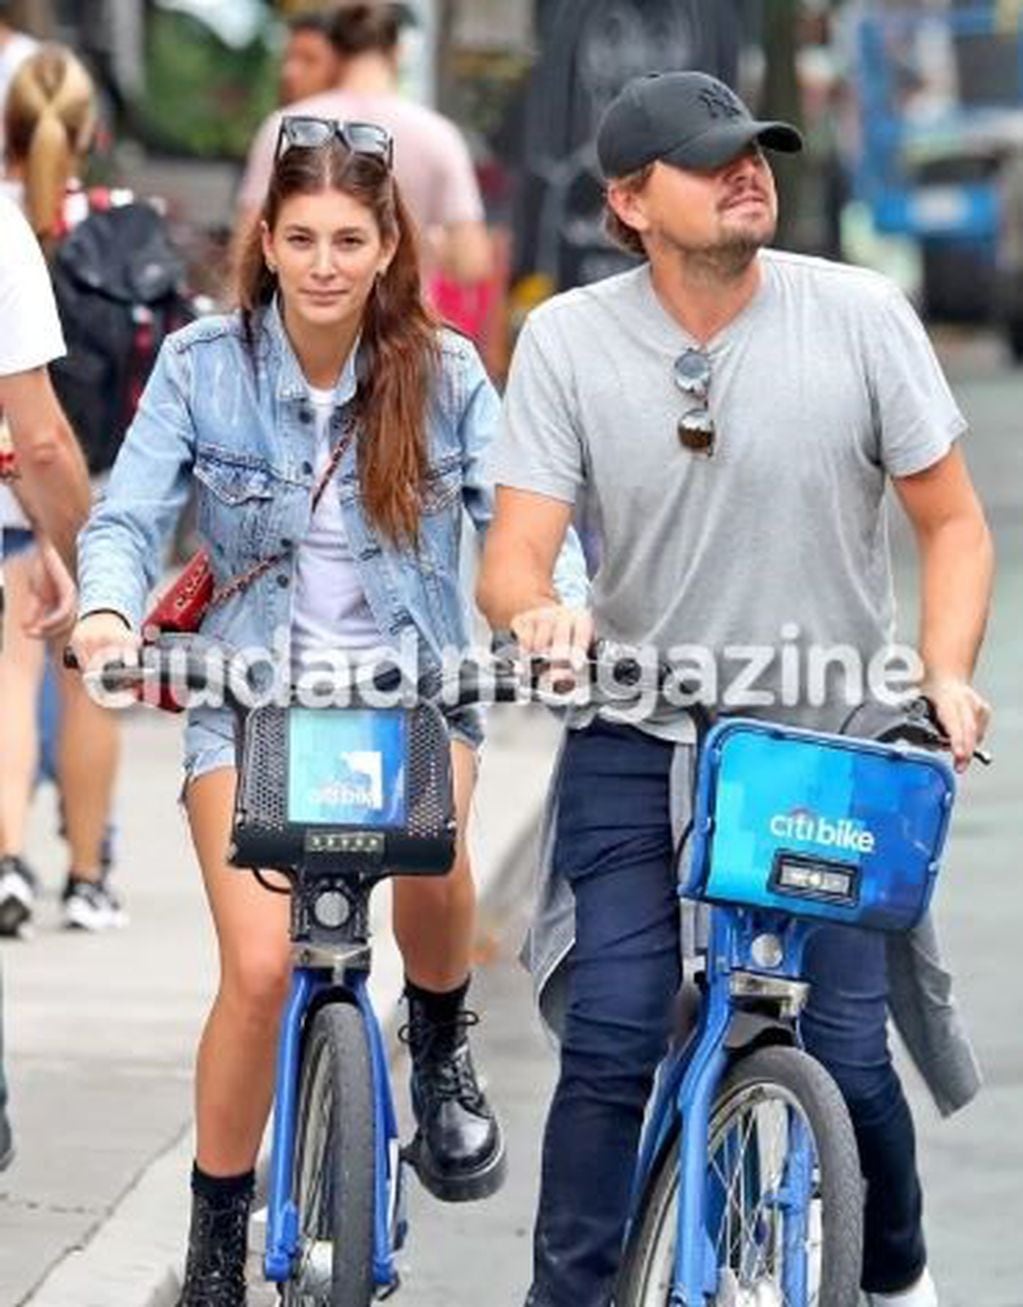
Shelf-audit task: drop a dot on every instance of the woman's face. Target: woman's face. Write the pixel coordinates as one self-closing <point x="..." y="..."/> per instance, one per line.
<point x="327" y="250"/>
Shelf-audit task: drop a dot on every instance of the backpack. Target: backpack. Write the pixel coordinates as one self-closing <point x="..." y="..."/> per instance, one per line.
<point x="118" y="282"/>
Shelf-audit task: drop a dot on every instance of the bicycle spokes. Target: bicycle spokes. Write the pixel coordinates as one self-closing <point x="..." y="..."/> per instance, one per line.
<point x="762" y="1188"/>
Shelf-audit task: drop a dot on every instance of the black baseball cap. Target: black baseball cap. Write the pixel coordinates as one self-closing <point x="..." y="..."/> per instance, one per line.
<point x="688" y="119"/>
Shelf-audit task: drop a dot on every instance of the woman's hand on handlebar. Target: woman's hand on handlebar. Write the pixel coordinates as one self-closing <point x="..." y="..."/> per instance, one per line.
<point x="104" y="637"/>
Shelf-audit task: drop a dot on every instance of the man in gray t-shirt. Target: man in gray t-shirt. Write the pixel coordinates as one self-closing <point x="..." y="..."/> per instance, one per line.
<point x="735" y="413"/>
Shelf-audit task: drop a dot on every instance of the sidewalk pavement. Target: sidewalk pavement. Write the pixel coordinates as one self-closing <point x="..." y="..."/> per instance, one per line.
<point x="100" y="1031"/>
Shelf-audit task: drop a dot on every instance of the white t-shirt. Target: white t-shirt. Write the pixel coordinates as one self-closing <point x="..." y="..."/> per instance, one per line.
<point x="330" y="611"/>
<point x="822" y="388"/>
<point x="11" y="512"/>
<point x="30" y="333"/>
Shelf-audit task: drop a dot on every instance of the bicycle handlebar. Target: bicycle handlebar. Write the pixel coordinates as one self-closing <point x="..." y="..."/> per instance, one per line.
<point x="183" y="661"/>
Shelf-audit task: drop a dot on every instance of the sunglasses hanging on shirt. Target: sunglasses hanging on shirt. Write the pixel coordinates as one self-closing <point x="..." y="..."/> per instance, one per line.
<point x="695" y="429"/>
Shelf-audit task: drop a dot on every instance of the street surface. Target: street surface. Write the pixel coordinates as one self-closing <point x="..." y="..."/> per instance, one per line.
<point x="100" y="1031"/>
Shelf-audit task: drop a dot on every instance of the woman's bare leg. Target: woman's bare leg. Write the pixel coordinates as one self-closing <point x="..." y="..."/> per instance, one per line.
<point x="235" y="1070"/>
<point x="435" y="916"/>
<point x="458" y="1147"/>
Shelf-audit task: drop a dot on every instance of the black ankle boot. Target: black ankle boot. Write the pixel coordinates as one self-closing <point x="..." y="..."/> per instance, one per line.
<point x="217" y="1245"/>
<point x="458" y="1149"/>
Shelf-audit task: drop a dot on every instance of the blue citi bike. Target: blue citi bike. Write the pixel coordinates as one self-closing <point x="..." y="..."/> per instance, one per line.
<point x="748" y="1190"/>
<point x="335" y="798"/>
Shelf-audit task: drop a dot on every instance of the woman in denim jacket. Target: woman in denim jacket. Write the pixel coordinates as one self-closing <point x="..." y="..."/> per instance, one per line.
<point x="332" y="338"/>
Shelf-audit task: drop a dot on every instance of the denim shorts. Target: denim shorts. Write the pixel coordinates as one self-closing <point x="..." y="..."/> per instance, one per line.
<point x="210" y="739"/>
<point x="209" y="743"/>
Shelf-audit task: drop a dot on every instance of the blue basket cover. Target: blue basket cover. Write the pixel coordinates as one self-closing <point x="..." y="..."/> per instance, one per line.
<point x="818" y="825"/>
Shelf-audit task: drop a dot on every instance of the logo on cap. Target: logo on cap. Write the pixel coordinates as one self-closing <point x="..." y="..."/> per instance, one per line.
<point x="720" y="102"/>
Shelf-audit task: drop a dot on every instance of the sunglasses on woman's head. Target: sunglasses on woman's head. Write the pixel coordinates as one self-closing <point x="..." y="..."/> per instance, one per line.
<point x="309" y="133"/>
<point x="695" y="429"/>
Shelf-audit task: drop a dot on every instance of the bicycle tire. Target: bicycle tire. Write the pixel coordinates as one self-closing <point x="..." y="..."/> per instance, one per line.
<point x="335" y="1141"/>
<point x="797" y="1079"/>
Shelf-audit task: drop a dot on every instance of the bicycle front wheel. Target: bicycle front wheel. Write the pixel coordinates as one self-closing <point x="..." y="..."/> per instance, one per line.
<point x="334" y="1165"/>
<point x="784" y="1195"/>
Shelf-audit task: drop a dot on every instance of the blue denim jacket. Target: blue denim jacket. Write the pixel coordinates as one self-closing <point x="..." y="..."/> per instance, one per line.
<point x="245" y="434"/>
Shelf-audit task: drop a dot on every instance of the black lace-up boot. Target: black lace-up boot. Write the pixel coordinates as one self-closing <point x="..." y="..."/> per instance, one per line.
<point x="217" y="1241"/>
<point x="458" y="1149"/>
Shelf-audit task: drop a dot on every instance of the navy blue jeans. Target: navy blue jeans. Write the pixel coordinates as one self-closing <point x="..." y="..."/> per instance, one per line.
<point x="613" y="843"/>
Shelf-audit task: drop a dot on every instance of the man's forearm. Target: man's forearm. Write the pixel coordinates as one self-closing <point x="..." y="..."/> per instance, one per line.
<point x="957" y="567"/>
<point x="507" y="589"/>
<point x="54" y="490"/>
<point x="54" y="481"/>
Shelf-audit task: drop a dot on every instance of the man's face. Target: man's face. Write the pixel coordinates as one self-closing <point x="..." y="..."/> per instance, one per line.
<point x="310" y="65"/>
<point x="727" y="210"/>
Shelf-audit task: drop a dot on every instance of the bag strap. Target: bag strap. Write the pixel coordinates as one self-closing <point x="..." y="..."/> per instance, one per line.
<point x="242" y="582"/>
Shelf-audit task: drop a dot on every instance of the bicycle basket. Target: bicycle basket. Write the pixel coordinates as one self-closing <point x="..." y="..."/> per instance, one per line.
<point x="345" y="791"/>
<point x="818" y="825"/>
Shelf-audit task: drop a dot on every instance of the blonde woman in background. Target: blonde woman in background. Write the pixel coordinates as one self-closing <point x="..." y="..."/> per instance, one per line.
<point x="49" y="123"/>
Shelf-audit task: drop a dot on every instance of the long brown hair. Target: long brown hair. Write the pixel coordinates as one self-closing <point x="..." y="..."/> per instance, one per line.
<point x="49" y="122"/>
<point x="399" y="348"/>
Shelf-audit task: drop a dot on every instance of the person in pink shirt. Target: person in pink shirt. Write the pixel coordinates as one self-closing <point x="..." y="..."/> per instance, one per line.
<point x="310" y="62"/>
<point x="431" y="159"/>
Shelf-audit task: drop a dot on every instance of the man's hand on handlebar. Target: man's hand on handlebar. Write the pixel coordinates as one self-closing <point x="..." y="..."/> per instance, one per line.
<point x="561" y="636"/>
<point x="555" y="631"/>
<point x="962" y="714"/>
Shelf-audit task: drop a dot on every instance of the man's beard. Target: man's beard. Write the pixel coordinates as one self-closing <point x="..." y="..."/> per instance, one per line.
<point x="725" y="259"/>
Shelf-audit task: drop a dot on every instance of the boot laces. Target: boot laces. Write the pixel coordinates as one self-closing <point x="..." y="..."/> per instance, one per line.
<point x="441" y="1050"/>
<point x="216" y="1261"/>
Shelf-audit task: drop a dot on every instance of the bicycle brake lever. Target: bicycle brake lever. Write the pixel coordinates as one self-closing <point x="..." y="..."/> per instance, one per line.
<point x="927" y="736"/>
<point x="983" y="756"/>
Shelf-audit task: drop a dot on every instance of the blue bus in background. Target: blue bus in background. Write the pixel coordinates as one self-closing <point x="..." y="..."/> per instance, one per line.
<point x="940" y="154"/>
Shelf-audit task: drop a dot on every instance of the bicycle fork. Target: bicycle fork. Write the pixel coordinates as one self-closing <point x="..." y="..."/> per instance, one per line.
<point x="283" y="1236"/>
<point x="730" y="951"/>
<point x="696" y="1272"/>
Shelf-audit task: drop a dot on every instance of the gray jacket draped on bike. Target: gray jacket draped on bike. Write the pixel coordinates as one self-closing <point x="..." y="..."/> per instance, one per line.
<point x="920" y="998"/>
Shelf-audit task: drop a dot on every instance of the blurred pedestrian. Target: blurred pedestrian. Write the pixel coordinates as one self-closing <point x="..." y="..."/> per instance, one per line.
<point x="310" y="63"/>
<point x="15" y="48"/>
<point x="50" y="119"/>
<point x="431" y="159"/>
<point x="53" y="482"/>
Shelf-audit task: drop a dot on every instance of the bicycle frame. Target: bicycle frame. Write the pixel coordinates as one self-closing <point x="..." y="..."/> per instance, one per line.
<point x="690" y="1076"/>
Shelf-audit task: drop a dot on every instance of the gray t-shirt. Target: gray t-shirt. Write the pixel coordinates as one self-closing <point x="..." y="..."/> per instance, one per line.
<point x="824" y="385"/>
